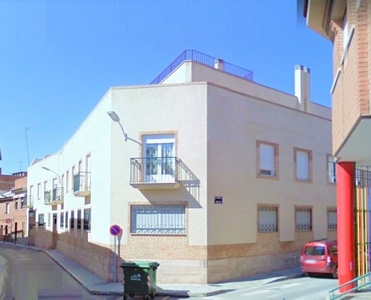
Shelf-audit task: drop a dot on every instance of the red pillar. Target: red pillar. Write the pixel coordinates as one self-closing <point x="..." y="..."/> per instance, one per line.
<point x="345" y="224"/>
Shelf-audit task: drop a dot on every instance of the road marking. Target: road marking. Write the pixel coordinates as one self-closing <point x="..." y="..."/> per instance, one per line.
<point x="167" y="297"/>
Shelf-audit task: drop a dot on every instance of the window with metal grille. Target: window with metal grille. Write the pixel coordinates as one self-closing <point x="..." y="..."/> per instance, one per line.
<point x="78" y="219"/>
<point x="267" y="219"/>
<point x="303" y="219"/>
<point x="49" y="220"/>
<point x="158" y="219"/>
<point x="332" y="219"/>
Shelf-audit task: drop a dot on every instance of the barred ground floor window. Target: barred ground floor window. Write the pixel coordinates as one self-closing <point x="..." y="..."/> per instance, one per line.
<point x="157" y="219"/>
<point x="267" y="219"/>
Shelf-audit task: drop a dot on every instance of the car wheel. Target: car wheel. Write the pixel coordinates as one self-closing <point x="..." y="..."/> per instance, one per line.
<point x="335" y="274"/>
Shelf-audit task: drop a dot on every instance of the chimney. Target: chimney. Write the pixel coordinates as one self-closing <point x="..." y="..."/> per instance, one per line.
<point x="302" y="87"/>
<point x="219" y="64"/>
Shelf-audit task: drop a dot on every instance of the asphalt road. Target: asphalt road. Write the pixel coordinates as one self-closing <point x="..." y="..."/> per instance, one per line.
<point x="302" y="288"/>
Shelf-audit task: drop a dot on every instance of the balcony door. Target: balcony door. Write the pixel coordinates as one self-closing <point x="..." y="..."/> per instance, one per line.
<point x="159" y="158"/>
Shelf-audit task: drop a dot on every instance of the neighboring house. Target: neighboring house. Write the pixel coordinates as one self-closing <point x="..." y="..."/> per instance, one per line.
<point x="7" y="181"/>
<point x="208" y="173"/>
<point x="347" y="24"/>
<point x="13" y="211"/>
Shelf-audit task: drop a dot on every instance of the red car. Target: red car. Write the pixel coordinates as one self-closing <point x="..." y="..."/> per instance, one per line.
<point x="320" y="257"/>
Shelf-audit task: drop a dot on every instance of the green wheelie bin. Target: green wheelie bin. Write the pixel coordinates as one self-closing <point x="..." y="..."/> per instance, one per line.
<point x="139" y="279"/>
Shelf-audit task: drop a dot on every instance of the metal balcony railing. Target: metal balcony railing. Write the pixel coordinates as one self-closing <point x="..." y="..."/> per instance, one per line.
<point x="27" y="202"/>
<point x="81" y="182"/>
<point x="53" y="197"/>
<point x="193" y="55"/>
<point x="161" y="170"/>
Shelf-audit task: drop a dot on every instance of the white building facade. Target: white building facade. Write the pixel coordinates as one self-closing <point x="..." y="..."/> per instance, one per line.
<point x="208" y="173"/>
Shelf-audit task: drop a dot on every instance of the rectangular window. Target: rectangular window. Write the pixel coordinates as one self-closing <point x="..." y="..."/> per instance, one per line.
<point x="72" y="221"/>
<point x="16" y="204"/>
<point x="345" y="32"/>
<point x="49" y="220"/>
<point x="79" y="219"/>
<point x="87" y="218"/>
<point x="267" y="219"/>
<point x="331" y="167"/>
<point x="303" y="164"/>
<point x="267" y="153"/>
<point x="41" y="220"/>
<point x="38" y="191"/>
<point x="158" y="219"/>
<point x="66" y="220"/>
<point x="62" y="219"/>
<point x="332" y="219"/>
<point x="67" y="180"/>
<point x="358" y="177"/>
<point x="303" y="219"/>
<point x="159" y="158"/>
<point x="7" y="208"/>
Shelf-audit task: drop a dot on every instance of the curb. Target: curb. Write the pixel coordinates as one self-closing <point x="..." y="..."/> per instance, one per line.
<point x="179" y="294"/>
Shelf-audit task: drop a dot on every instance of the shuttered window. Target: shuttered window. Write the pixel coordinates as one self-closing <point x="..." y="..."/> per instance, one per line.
<point x="267" y="219"/>
<point x="332" y="219"/>
<point x="303" y="219"/>
<point x="267" y="164"/>
<point x="158" y="219"/>
<point x="302" y="165"/>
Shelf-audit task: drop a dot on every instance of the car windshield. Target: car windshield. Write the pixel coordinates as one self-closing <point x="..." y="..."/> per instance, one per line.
<point x="314" y="250"/>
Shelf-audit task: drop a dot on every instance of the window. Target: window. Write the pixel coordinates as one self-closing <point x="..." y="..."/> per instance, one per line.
<point x="23" y="201"/>
<point x="49" y="220"/>
<point x="38" y="191"/>
<point x="79" y="219"/>
<point x="158" y="219"/>
<point x="345" y="32"/>
<point x="303" y="164"/>
<point x="67" y="180"/>
<point x="358" y="177"/>
<point x="61" y="219"/>
<point x="267" y="153"/>
<point x="267" y="219"/>
<point x="159" y="158"/>
<point x="16" y="204"/>
<point x="72" y="221"/>
<point x="41" y="220"/>
<point x="7" y="208"/>
<point x="66" y="220"/>
<point x="31" y="191"/>
<point x="87" y="218"/>
<point x="332" y="219"/>
<point x="303" y="219"/>
<point x="331" y="167"/>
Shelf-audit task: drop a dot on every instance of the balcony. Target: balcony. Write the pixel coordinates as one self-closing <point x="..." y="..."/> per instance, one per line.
<point x="27" y="202"/>
<point x="154" y="173"/>
<point x="81" y="184"/>
<point x="54" y="196"/>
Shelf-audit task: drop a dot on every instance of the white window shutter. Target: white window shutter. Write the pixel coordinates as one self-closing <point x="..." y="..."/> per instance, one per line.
<point x="267" y="158"/>
<point x="302" y="165"/>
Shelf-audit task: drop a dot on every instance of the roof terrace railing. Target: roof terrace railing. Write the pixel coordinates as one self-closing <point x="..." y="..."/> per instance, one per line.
<point x="204" y="59"/>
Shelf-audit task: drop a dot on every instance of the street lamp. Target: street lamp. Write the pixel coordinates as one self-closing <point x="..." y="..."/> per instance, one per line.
<point x="59" y="178"/>
<point x="116" y="118"/>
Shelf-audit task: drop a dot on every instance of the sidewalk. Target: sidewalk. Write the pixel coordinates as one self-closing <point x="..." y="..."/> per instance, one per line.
<point x="96" y="285"/>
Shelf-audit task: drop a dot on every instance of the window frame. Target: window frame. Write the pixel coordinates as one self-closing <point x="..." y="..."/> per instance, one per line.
<point x="267" y="208"/>
<point x="7" y="208"/>
<point x="331" y="171"/>
<point x="299" y="209"/>
<point x="259" y="170"/>
<point x="331" y="226"/>
<point x="87" y="226"/>
<point x="135" y="229"/>
<point x="310" y="165"/>
<point x="43" y="219"/>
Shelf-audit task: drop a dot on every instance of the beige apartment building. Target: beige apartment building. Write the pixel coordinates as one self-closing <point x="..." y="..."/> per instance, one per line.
<point x="207" y="172"/>
<point x="347" y="24"/>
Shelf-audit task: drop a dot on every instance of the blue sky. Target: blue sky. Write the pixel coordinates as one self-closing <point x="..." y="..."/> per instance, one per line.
<point x="59" y="57"/>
